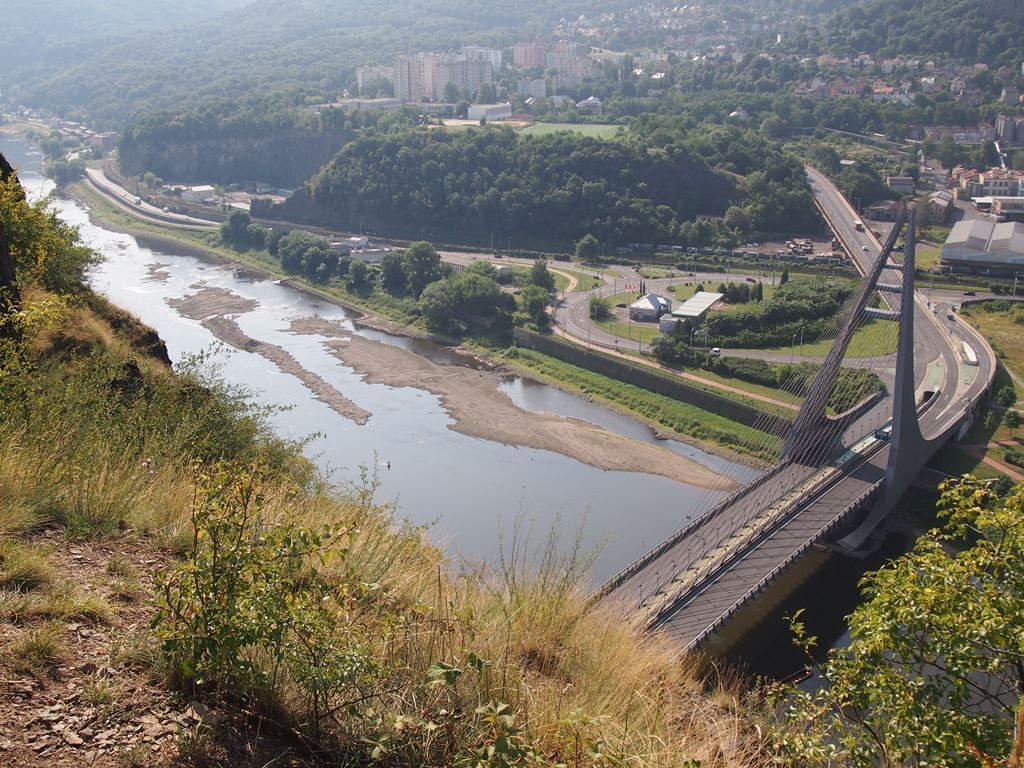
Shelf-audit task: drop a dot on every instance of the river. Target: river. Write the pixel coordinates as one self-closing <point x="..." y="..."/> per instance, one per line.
<point x="472" y="493"/>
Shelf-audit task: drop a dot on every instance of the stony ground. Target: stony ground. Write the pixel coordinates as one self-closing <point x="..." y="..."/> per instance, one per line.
<point x="93" y="695"/>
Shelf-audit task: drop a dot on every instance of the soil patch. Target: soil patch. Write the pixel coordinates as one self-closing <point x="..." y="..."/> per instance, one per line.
<point x="229" y="332"/>
<point x="210" y="302"/>
<point x="103" y="703"/>
<point x="480" y="409"/>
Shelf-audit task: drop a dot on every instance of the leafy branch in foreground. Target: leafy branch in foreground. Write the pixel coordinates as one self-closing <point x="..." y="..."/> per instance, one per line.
<point x="249" y="610"/>
<point x="934" y="672"/>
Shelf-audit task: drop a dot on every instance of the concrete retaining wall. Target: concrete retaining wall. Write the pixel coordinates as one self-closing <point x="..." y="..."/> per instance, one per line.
<point x="642" y="376"/>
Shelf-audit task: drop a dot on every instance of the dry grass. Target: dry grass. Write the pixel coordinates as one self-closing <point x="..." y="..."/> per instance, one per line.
<point x="577" y="681"/>
<point x="23" y="568"/>
<point x="37" y="649"/>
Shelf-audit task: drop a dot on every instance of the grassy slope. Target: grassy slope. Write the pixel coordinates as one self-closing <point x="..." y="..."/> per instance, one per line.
<point x="1003" y="332"/>
<point x="92" y="460"/>
<point x="695" y="424"/>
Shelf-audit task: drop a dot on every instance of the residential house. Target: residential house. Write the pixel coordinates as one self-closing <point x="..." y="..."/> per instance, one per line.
<point x="941" y="205"/>
<point x="883" y="210"/>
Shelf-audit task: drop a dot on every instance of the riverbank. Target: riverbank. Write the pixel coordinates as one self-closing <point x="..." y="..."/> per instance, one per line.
<point x="640" y="406"/>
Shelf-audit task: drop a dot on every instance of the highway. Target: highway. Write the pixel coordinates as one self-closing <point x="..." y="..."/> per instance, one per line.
<point x="124" y="199"/>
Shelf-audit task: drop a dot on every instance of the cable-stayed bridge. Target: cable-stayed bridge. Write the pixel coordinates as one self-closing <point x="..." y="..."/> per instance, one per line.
<point x="838" y="473"/>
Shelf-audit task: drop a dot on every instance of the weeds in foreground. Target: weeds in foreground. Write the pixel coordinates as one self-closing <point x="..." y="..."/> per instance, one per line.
<point x="38" y="649"/>
<point x="99" y="691"/>
<point x="415" y="667"/>
<point x="23" y="568"/>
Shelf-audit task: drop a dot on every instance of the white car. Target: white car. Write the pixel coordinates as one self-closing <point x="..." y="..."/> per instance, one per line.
<point x="863" y="247"/>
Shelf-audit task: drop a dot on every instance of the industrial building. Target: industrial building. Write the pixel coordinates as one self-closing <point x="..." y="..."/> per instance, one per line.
<point x="985" y="246"/>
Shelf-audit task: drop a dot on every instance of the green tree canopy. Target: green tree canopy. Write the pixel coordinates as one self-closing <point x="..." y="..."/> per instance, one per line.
<point x="935" y="668"/>
<point x="422" y="266"/>
<point x="587" y="247"/>
<point x="539" y="275"/>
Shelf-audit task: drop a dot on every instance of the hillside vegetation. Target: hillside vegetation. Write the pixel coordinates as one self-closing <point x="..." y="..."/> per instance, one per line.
<point x="481" y="185"/>
<point x="51" y="33"/>
<point x="307" y="612"/>
<point x="295" y="49"/>
<point x="986" y="31"/>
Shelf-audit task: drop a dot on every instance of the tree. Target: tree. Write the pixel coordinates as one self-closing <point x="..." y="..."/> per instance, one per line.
<point x="357" y="273"/>
<point x="534" y="300"/>
<point x="422" y="266"/>
<point x="1013" y="419"/>
<point x="989" y="423"/>
<point x="392" y="273"/>
<point x="235" y="229"/>
<point x="273" y="239"/>
<point x="933" y="673"/>
<point x="539" y="275"/>
<point x="42" y="247"/>
<point x="1006" y="396"/>
<point x="486" y="94"/>
<point x="587" y="248"/>
<point x="599" y="308"/>
<point x="784" y="278"/>
<point x="437" y="305"/>
<point x="451" y="92"/>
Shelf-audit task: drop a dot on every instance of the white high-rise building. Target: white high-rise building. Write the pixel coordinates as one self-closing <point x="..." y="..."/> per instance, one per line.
<point x="423" y="76"/>
<point x="416" y="77"/>
<point x="492" y="55"/>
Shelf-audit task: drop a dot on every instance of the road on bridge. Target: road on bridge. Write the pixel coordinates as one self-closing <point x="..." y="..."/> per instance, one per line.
<point x="691" y="583"/>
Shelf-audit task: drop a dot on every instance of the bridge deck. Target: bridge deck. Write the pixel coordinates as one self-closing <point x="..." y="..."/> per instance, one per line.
<point x="692" y="617"/>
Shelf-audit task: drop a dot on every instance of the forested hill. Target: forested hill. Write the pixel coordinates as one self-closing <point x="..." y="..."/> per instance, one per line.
<point x="48" y="33"/>
<point x="296" y="47"/>
<point x="988" y="31"/>
<point x="551" y="190"/>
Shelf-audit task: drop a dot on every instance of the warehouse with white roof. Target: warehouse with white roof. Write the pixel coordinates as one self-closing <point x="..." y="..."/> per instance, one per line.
<point x="985" y="246"/>
<point x="695" y="307"/>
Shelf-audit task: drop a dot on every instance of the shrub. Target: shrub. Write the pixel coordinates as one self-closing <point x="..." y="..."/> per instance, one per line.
<point x="249" y="607"/>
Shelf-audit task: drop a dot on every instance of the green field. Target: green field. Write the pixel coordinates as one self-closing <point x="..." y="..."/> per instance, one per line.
<point x="877" y="339"/>
<point x="584" y="280"/>
<point x="587" y="129"/>
<point x="703" y="427"/>
<point x="927" y="255"/>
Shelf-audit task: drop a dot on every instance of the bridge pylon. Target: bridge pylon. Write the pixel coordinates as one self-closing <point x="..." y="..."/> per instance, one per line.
<point x="909" y="451"/>
<point x="812" y="427"/>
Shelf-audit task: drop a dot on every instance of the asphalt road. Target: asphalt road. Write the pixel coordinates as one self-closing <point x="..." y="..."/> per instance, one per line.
<point x="734" y="552"/>
<point x="124" y="198"/>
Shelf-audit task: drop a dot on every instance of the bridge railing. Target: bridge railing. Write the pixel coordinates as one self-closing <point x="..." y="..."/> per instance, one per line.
<point x="615" y="581"/>
<point x="770" y="526"/>
<point x="783" y="566"/>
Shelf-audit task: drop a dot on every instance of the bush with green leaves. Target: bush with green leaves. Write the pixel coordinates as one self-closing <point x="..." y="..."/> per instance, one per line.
<point x="933" y="673"/>
<point x="252" y="610"/>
